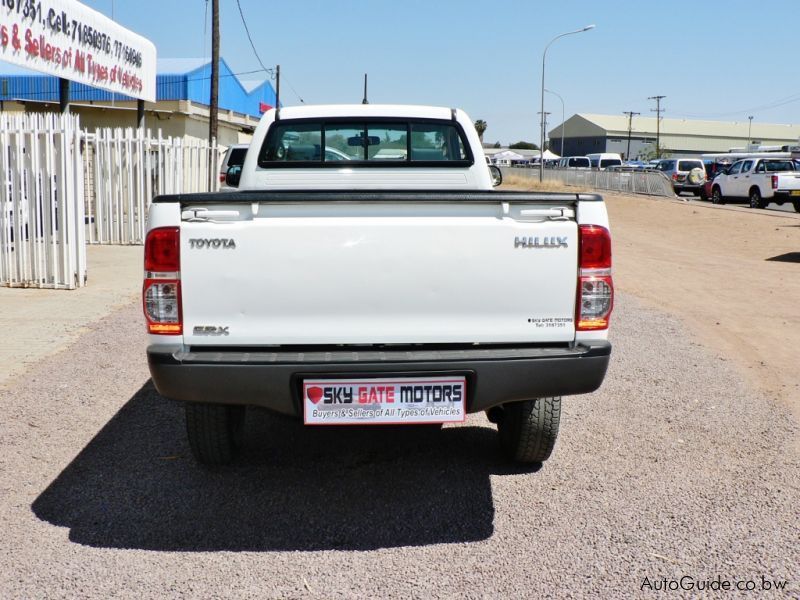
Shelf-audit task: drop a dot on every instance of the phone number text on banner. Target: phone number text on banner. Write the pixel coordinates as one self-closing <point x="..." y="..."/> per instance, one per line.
<point x="68" y="39"/>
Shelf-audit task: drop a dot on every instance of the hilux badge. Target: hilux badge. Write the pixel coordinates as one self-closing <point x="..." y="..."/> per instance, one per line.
<point x="544" y="242"/>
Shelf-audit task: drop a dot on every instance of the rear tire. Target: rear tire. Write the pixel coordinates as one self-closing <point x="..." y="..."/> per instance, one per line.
<point x="528" y="430"/>
<point x="214" y="432"/>
<point x="756" y="201"/>
<point x="716" y="196"/>
<point x="796" y="205"/>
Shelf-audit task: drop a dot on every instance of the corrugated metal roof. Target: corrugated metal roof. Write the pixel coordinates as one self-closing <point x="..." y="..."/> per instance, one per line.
<point x="176" y="79"/>
<point x="618" y="125"/>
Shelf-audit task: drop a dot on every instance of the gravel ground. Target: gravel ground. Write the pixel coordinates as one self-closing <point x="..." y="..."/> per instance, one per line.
<point x="675" y="468"/>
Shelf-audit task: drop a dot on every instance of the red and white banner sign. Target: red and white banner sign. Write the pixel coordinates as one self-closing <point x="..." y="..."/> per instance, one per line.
<point x="68" y="39"/>
<point x="384" y="401"/>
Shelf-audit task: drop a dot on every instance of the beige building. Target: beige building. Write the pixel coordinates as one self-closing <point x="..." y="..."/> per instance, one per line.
<point x="588" y="133"/>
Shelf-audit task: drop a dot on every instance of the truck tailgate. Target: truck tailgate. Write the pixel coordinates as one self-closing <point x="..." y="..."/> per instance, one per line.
<point x="260" y="273"/>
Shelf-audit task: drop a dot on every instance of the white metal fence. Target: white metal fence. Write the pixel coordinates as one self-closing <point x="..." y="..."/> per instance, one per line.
<point x="633" y="182"/>
<point x="42" y="235"/>
<point x="127" y="168"/>
<point x="63" y="188"/>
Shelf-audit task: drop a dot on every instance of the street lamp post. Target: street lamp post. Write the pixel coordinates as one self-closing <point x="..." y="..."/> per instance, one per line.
<point x="562" y="119"/>
<point x="749" y="136"/>
<point x="544" y="58"/>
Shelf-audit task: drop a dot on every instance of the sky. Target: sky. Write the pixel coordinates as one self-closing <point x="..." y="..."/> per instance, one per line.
<point x="716" y="61"/>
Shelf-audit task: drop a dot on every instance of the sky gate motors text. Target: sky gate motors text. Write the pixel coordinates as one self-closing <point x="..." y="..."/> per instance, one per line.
<point x="389" y="394"/>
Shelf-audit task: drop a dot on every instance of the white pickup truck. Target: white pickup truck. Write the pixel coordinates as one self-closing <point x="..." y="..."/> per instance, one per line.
<point x="760" y="181"/>
<point x="366" y="272"/>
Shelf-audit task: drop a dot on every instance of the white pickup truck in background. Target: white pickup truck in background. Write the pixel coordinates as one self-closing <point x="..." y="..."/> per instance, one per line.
<point x="760" y="181"/>
<point x="367" y="273"/>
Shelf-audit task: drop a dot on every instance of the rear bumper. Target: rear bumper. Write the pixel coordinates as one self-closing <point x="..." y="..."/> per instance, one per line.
<point x="273" y="380"/>
<point x="785" y="196"/>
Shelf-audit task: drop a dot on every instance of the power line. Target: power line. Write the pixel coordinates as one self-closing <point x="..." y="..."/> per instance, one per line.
<point x="252" y="45"/>
<point x="270" y="71"/>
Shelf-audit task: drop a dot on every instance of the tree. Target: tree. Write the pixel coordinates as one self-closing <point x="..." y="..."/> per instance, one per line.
<point x="648" y="152"/>
<point x="497" y="145"/>
<point x="523" y="146"/>
<point x="480" y="126"/>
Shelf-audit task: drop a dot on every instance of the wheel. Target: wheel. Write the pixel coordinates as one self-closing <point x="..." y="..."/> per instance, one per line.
<point x="716" y="196"/>
<point x="755" y="199"/>
<point x="214" y="432"/>
<point x="703" y="195"/>
<point x="796" y="205"/>
<point x="528" y="430"/>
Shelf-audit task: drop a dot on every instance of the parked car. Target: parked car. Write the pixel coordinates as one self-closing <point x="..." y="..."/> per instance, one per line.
<point x="346" y="296"/>
<point x="713" y="168"/>
<point x="760" y="181"/>
<point x="574" y="162"/>
<point x="603" y="160"/>
<point x="634" y="164"/>
<point x="234" y="157"/>
<point x="686" y="174"/>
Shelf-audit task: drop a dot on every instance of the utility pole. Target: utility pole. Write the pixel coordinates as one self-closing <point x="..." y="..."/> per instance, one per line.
<point x="658" y="110"/>
<point x="63" y="95"/>
<point x="213" y="115"/>
<point x="544" y="142"/>
<point x="630" y="114"/>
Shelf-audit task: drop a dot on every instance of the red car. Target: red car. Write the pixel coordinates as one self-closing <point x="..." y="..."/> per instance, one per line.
<point x="713" y="168"/>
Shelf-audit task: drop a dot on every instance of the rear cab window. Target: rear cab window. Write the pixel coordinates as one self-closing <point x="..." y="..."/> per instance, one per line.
<point x="360" y="142"/>
<point x="609" y="162"/>
<point x="776" y="166"/>
<point x="236" y="157"/>
<point x="688" y="165"/>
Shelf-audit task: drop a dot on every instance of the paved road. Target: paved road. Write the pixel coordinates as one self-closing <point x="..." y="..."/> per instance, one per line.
<point x="37" y="323"/>
<point x="675" y="468"/>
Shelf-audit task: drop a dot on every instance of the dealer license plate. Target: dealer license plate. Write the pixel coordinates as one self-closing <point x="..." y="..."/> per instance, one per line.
<point x="795" y="192"/>
<point x="403" y="400"/>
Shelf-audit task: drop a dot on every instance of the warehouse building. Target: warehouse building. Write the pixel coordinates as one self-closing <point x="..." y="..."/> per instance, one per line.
<point x="589" y="133"/>
<point x="181" y="108"/>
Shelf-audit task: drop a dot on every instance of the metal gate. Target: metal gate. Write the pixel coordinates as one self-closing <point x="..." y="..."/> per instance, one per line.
<point x="42" y="221"/>
<point x="127" y="168"/>
<point x="63" y="187"/>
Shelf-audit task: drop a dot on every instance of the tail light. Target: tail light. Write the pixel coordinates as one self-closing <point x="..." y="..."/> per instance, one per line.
<point x="674" y="177"/>
<point x="222" y="177"/>
<point x="595" y="299"/>
<point x="161" y="292"/>
<point x="774" y="182"/>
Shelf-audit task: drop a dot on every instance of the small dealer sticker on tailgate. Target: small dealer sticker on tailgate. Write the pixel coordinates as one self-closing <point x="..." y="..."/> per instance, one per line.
<point x="384" y="401"/>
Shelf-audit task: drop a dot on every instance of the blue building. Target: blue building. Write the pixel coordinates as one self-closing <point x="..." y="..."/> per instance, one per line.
<point x="183" y="88"/>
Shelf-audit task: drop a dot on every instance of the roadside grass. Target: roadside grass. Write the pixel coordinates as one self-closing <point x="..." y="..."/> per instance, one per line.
<point x="532" y="184"/>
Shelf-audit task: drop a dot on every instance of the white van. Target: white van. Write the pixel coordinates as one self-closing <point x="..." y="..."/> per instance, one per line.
<point x="603" y="160"/>
<point x="574" y="162"/>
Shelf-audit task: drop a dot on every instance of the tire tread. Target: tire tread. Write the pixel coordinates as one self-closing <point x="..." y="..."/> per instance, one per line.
<point x="529" y="429"/>
<point x="211" y="432"/>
